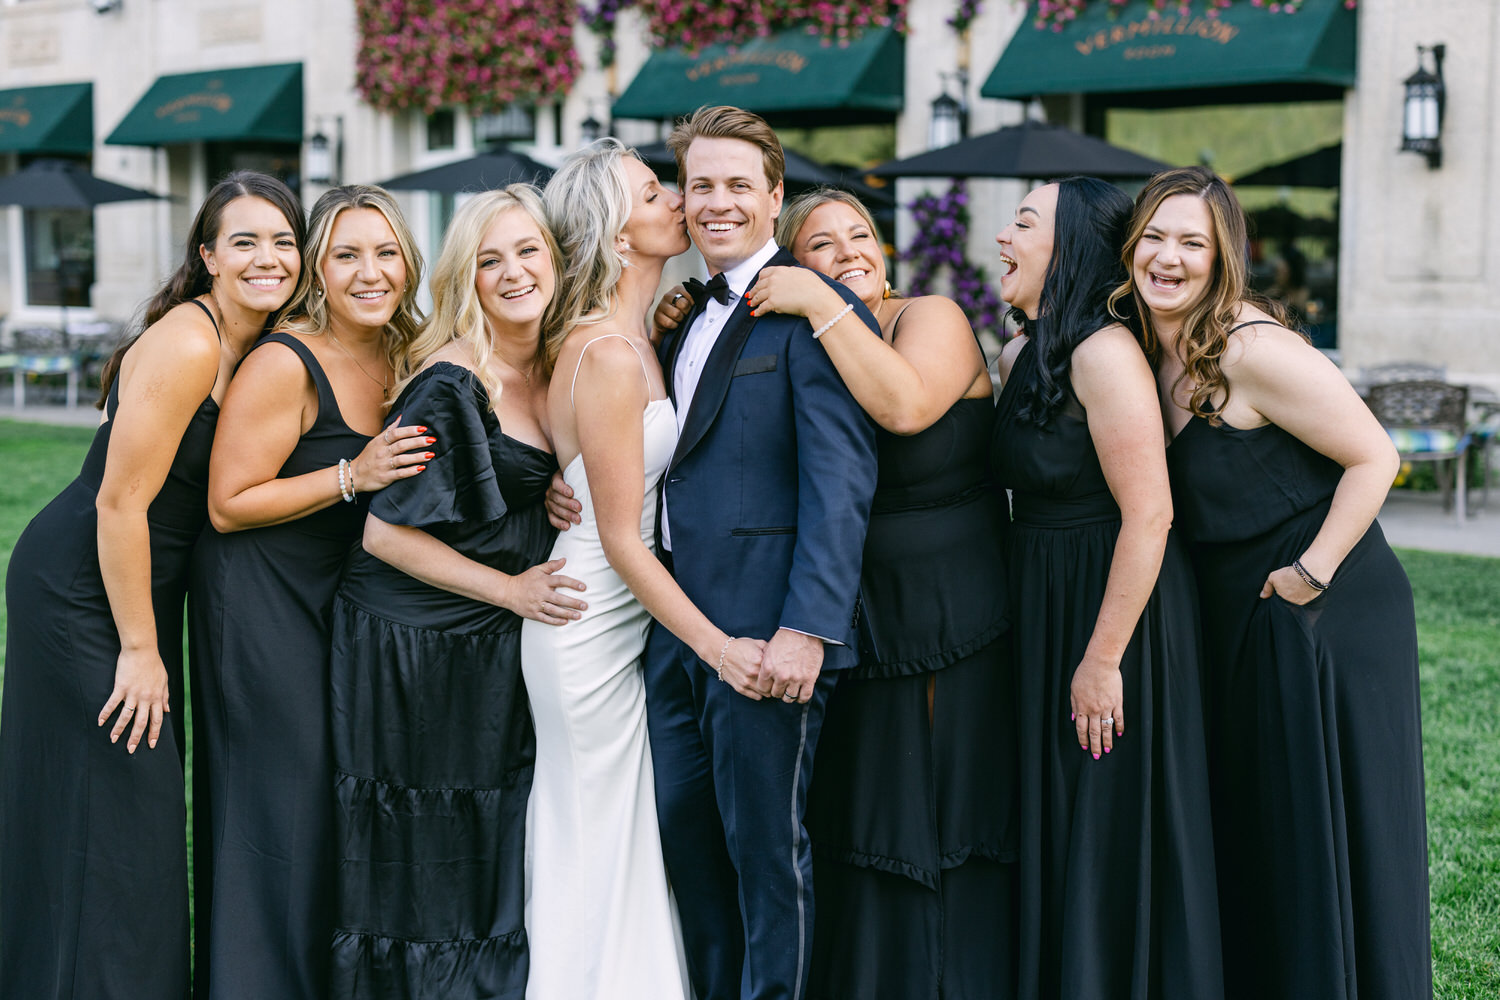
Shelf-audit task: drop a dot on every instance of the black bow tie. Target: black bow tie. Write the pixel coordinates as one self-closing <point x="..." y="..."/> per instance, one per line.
<point x="718" y="287"/>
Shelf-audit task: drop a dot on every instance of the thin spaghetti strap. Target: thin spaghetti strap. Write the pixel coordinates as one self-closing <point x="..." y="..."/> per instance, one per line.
<point x="209" y="313"/>
<point x="1254" y="322"/>
<point x="574" y="384"/>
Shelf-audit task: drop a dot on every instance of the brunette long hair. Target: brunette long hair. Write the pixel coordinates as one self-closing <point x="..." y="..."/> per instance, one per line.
<point x="1205" y="331"/>
<point x="191" y="279"/>
<point x="1085" y="267"/>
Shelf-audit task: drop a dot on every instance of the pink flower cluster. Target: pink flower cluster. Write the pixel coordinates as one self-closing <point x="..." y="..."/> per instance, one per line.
<point x="482" y="54"/>
<point x="1057" y="13"/>
<point x="694" y="24"/>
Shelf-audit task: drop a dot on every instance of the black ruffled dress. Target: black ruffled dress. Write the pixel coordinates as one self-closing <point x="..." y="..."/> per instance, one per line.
<point x="914" y="821"/>
<point x="432" y="736"/>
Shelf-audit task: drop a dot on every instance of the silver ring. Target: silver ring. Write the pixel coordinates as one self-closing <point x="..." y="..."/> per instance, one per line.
<point x="788" y="697"/>
<point x="128" y="708"/>
<point x="677" y="296"/>
<point x="1108" y="720"/>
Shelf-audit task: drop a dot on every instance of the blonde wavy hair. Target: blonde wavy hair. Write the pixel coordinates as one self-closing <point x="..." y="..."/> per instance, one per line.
<point x="588" y="203"/>
<point x="308" y="309"/>
<point x="795" y="213"/>
<point x="456" y="313"/>
<point x="1205" y="331"/>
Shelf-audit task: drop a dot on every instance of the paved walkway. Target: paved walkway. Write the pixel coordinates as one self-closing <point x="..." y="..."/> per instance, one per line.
<point x="1410" y="520"/>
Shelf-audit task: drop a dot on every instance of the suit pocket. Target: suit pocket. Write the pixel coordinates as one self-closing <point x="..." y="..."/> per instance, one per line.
<point x="747" y="532"/>
<point x="754" y="366"/>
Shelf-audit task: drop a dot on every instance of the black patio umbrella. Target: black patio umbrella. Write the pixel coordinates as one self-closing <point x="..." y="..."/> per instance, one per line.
<point x="1319" y="169"/>
<point x="1032" y="150"/>
<point x="802" y="174"/>
<point x="485" y="172"/>
<point x="63" y="184"/>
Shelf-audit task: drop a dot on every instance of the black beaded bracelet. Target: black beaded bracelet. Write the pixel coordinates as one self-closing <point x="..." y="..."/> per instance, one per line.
<point x="1308" y="578"/>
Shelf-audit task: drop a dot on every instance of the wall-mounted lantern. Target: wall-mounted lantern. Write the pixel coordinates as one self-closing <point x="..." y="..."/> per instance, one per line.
<point x="1422" y="125"/>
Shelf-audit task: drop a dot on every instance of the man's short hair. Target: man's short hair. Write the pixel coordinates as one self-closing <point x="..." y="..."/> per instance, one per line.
<point x="724" y="122"/>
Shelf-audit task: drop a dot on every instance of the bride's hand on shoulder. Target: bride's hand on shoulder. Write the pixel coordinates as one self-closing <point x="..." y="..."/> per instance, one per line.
<point x="537" y="593"/>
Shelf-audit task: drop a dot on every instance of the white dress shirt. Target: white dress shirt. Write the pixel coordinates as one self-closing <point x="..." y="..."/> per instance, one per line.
<point x="698" y="343"/>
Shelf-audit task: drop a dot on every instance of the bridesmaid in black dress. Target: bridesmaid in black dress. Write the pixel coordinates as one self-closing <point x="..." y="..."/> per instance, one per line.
<point x="1278" y="470"/>
<point x="1117" y="894"/>
<point x="432" y="738"/>
<point x="93" y="845"/>
<point x="912" y="808"/>
<point x="296" y="455"/>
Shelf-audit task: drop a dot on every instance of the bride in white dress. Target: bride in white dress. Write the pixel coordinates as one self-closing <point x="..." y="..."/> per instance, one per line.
<point x="599" y="914"/>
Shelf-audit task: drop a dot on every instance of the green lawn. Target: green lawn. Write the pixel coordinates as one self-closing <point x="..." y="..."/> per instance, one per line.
<point x="1458" y="618"/>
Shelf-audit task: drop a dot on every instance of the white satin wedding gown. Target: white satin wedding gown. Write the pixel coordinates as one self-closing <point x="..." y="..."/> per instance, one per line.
<point x="599" y="915"/>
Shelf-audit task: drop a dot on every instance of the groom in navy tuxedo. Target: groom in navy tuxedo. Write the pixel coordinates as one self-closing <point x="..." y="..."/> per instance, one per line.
<point x="764" y="511"/>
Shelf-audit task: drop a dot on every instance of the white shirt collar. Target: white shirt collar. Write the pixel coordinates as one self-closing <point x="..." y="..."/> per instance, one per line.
<point x="740" y="276"/>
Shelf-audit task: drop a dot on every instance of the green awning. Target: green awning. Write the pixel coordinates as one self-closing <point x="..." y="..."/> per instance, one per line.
<point x="1246" y="53"/>
<point x="57" y="119"/>
<point x="789" y="78"/>
<point x="251" y="103"/>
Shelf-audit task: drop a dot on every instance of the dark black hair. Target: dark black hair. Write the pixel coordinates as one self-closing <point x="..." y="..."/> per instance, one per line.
<point x="1087" y="233"/>
<point x="191" y="278"/>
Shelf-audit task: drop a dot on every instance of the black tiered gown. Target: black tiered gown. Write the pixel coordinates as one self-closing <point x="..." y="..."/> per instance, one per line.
<point x="1117" y="889"/>
<point x="262" y="598"/>
<point x="93" y="841"/>
<point x="914" y="822"/>
<point x="1314" y="728"/>
<point x="433" y="742"/>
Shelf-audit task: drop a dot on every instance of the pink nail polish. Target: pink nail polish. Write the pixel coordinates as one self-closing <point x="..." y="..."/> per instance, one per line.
<point x="1096" y="756"/>
<point x="1106" y="749"/>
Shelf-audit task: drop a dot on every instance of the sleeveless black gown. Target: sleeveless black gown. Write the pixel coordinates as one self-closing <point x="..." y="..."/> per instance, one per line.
<point x="93" y="840"/>
<point x="263" y="874"/>
<point x="1117" y="888"/>
<point x="1314" y="730"/>
<point x="914" y="823"/>
<point x="432" y="734"/>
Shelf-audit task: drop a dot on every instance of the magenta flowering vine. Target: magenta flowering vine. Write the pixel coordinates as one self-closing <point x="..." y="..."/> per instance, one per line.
<point x="942" y="226"/>
<point x="480" y="54"/>
<point x="694" y="24"/>
<point x="1057" y="13"/>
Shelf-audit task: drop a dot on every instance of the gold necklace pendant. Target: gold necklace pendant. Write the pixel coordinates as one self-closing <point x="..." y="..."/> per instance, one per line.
<point x="385" y="376"/>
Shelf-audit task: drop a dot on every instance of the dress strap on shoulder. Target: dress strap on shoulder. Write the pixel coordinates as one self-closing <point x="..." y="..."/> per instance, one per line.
<point x="327" y="401"/>
<point x="210" y="314"/>
<point x="572" y="387"/>
<point x="1254" y="322"/>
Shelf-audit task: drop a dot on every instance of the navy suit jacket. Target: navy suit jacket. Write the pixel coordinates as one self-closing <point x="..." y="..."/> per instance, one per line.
<point x="769" y="489"/>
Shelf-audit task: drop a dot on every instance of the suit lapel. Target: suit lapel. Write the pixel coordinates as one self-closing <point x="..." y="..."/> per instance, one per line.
<point x="719" y="368"/>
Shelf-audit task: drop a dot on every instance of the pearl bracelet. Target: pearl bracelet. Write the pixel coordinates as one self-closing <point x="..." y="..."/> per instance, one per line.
<point x="848" y="308"/>
<point x="721" y="656"/>
<point x="346" y="480"/>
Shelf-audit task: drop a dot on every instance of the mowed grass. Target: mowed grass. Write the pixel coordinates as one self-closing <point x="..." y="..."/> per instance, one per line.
<point x="1458" y="619"/>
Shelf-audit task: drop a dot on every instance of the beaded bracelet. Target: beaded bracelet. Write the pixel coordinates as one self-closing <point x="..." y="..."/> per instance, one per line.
<point x="848" y="308"/>
<point x="721" y="656"/>
<point x="1308" y="578"/>
<point x="346" y="481"/>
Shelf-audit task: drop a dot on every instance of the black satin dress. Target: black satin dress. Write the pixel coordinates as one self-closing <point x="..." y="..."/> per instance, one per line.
<point x="1117" y="889"/>
<point x="1314" y="728"/>
<point x="433" y="742"/>
<point x="93" y="840"/>
<point x="913" y="821"/>
<point x="262" y="598"/>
